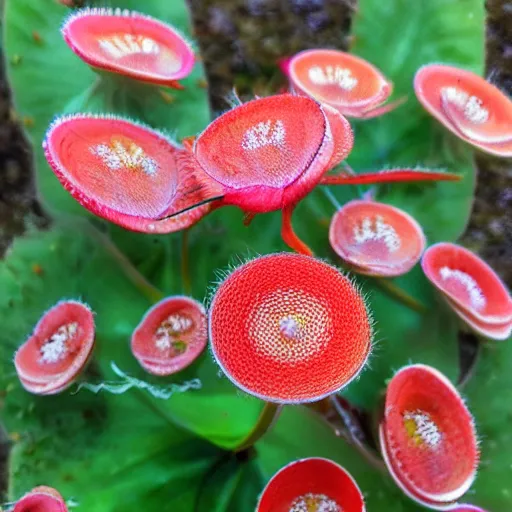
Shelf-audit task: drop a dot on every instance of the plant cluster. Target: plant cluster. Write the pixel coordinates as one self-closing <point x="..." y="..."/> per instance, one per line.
<point x="286" y="328"/>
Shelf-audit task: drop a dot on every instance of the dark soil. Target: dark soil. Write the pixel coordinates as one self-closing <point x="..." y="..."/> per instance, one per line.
<point x="242" y="40"/>
<point x="490" y="228"/>
<point x="18" y="203"/>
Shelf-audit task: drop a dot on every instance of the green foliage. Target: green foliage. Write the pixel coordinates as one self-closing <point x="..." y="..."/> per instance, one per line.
<point x="128" y="450"/>
<point x="489" y="397"/>
<point x="77" y="261"/>
<point x="136" y="452"/>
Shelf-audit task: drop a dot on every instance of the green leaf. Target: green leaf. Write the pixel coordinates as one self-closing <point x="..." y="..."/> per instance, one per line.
<point x="106" y="453"/>
<point x="404" y="336"/>
<point x="67" y="84"/>
<point x="231" y="485"/>
<point x="111" y="453"/>
<point x="74" y="261"/>
<point x="489" y="397"/>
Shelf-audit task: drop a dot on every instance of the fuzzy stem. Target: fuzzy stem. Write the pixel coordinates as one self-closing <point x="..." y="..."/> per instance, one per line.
<point x="266" y="419"/>
<point x="185" y="267"/>
<point x="353" y="431"/>
<point x="402" y="175"/>
<point x="248" y="218"/>
<point x="290" y="238"/>
<point x="350" y="171"/>
<point x="321" y="407"/>
<point x="400" y="295"/>
<point x="345" y="426"/>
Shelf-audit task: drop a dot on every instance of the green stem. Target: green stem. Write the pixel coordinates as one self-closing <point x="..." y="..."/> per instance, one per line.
<point x="394" y="291"/>
<point x="328" y="193"/>
<point x="79" y="103"/>
<point x="268" y="415"/>
<point x="399" y="294"/>
<point x="140" y="282"/>
<point x="167" y="281"/>
<point x="185" y="267"/>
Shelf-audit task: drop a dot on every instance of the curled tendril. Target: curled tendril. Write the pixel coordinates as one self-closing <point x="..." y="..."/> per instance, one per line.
<point x="128" y="382"/>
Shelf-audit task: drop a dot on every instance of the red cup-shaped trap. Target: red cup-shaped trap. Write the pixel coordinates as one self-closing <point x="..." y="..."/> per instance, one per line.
<point x="171" y="335"/>
<point x="41" y="499"/>
<point x="129" y="44"/>
<point x="271" y="152"/>
<point x="469" y="283"/>
<point x="345" y="82"/>
<point x="468" y="105"/>
<point x="124" y="172"/>
<point x="58" y="349"/>
<point x="311" y="485"/>
<point x="428" y="437"/>
<point x="376" y="238"/>
<point x="294" y="317"/>
<point x="262" y="156"/>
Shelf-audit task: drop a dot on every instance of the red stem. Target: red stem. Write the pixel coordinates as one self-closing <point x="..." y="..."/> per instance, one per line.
<point x="290" y="238"/>
<point x="248" y="217"/>
<point x="400" y="175"/>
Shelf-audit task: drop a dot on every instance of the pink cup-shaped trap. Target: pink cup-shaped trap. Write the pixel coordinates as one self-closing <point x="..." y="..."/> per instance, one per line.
<point x="469" y="283"/>
<point x="376" y="238"/>
<point x="41" y="499"/>
<point x="467" y="508"/>
<point x="60" y="346"/>
<point x="129" y="44"/>
<point x="124" y="172"/>
<point x="492" y="330"/>
<point x="341" y="80"/>
<point x="171" y="336"/>
<point x="272" y="151"/>
<point x="468" y="105"/>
